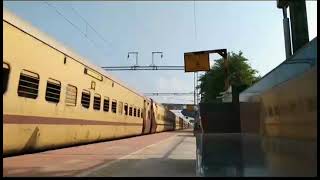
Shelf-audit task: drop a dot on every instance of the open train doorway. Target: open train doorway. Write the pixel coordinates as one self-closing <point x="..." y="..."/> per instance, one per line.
<point x="146" y="127"/>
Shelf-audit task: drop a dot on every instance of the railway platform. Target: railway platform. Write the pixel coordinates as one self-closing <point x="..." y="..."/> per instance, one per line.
<point x="253" y="155"/>
<point x="161" y="154"/>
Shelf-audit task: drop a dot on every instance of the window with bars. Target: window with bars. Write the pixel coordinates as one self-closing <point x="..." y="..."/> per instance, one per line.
<point x="28" y="84"/>
<point x="85" y="99"/>
<point x="71" y="95"/>
<point x="126" y="109"/>
<point x="120" y="107"/>
<point x="114" y="106"/>
<point x="53" y="90"/>
<point x="96" y="101"/>
<point x="106" y="103"/>
<point x="134" y="112"/>
<point x="138" y="114"/>
<point x="5" y="76"/>
<point x="130" y="111"/>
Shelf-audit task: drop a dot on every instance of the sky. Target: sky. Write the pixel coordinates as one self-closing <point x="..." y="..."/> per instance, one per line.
<point x="171" y="27"/>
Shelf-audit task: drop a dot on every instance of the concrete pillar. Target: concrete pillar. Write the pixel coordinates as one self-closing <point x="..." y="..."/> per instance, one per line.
<point x="286" y="31"/>
<point x="299" y="24"/>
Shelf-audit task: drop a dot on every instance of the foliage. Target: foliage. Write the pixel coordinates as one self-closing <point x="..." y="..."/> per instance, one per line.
<point x="240" y="74"/>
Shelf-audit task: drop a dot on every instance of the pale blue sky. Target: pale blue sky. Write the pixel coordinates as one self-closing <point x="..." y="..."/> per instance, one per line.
<point x="254" y="27"/>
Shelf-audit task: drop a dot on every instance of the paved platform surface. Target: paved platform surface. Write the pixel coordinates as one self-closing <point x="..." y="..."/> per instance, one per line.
<point x="161" y="154"/>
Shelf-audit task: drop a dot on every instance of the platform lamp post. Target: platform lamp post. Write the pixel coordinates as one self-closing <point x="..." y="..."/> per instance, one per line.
<point x="135" y="53"/>
<point x="153" y="53"/>
<point x="199" y="61"/>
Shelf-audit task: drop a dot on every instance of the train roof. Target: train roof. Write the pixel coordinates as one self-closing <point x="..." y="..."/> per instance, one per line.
<point x="28" y="28"/>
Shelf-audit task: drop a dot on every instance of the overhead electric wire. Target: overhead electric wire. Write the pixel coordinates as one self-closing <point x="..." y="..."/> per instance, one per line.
<point x="195" y="40"/>
<point x="187" y="100"/>
<point x="87" y="23"/>
<point x="65" y="17"/>
<point x="76" y="27"/>
<point x="195" y="19"/>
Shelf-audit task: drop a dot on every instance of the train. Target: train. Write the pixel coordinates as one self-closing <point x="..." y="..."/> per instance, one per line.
<point x="54" y="98"/>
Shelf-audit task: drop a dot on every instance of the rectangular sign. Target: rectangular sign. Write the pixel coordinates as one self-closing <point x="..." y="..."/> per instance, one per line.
<point x="196" y="62"/>
<point x="190" y="108"/>
<point x="93" y="74"/>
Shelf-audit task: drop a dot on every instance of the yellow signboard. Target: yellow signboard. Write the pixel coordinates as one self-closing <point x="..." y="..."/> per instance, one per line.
<point x="196" y="62"/>
<point x="190" y="108"/>
<point x="93" y="74"/>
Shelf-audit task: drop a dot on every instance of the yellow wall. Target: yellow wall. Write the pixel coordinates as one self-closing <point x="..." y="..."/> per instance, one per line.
<point x="296" y="104"/>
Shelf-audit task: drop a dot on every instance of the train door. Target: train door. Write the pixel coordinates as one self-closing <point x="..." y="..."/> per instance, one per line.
<point x="172" y="120"/>
<point x="146" y="127"/>
<point x="153" y="118"/>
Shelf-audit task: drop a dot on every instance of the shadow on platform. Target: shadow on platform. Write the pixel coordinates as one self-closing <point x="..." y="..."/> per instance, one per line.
<point x="149" y="167"/>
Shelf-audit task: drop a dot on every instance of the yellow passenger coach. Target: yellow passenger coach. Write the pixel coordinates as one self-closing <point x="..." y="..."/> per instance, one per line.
<point x="54" y="98"/>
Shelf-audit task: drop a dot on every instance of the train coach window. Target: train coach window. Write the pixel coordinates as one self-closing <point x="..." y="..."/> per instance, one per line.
<point x="106" y="104"/>
<point x="53" y="90"/>
<point x="114" y="106"/>
<point x="120" y="107"/>
<point x="71" y="95"/>
<point x="96" y="101"/>
<point x="130" y="111"/>
<point x="126" y="109"/>
<point x="85" y="99"/>
<point x="28" y="84"/>
<point x="5" y="77"/>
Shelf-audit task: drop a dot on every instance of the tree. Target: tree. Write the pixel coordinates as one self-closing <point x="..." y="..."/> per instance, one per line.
<point x="240" y="74"/>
